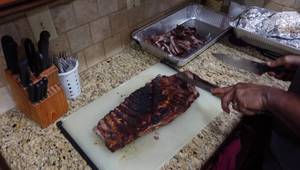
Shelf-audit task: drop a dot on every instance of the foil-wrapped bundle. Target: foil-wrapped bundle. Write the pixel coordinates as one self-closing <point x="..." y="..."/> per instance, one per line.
<point x="283" y="27"/>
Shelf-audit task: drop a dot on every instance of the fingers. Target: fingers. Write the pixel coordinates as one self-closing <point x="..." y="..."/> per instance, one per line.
<point x="238" y="106"/>
<point x="247" y="112"/>
<point x="287" y="61"/>
<point x="235" y="106"/>
<point x="226" y="100"/>
<point x="272" y="74"/>
<point x="282" y="76"/>
<point x="278" y="62"/>
<point x="292" y="60"/>
<point x="221" y="91"/>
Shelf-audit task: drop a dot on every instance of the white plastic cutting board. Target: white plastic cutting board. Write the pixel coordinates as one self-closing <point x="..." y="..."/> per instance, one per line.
<point x="146" y="153"/>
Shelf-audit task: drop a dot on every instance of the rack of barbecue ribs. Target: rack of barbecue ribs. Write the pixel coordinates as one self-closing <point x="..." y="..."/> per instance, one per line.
<point x="156" y="104"/>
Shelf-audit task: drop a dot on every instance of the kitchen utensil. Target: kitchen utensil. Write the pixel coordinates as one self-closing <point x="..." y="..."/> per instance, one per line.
<point x="24" y="72"/>
<point x="146" y="153"/>
<point x="248" y="65"/>
<point x="45" y="89"/>
<point x="194" y="80"/>
<point x="30" y="54"/>
<point x="45" y="112"/>
<point x="9" y="47"/>
<point x="207" y="22"/>
<point x="65" y="62"/>
<point x="41" y="89"/>
<point x="40" y="63"/>
<point x="43" y="46"/>
<point x="30" y="91"/>
<point x="70" y="82"/>
<point x="37" y="92"/>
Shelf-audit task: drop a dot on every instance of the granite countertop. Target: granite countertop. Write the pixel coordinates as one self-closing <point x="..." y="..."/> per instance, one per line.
<point x="25" y="145"/>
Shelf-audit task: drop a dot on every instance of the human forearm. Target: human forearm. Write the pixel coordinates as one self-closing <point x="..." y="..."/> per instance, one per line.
<point x="286" y="107"/>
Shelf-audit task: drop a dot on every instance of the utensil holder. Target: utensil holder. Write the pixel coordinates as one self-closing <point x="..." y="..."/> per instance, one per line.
<point x="48" y="110"/>
<point x="70" y="82"/>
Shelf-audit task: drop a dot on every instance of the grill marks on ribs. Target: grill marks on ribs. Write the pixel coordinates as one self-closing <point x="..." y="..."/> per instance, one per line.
<point x="148" y="108"/>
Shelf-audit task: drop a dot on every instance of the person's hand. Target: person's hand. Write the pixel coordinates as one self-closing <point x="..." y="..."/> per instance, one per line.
<point x="289" y="62"/>
<point x="245" y="98"/>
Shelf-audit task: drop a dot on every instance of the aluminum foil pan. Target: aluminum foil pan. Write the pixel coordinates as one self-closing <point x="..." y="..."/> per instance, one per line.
<point x="207" y="22"/>
<point x="281" y="27"/>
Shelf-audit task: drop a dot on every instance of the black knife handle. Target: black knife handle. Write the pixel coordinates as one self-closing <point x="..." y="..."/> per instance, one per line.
<point x="265" y="68"/>
<point x="39" y="63"/>
<point x="43" y="46"/>
<point x="24" y="73"/>
<point x="30" y="52"/>
<point x="40" y="91"/>
<point x="9" y="47"/>
<point x="45" y="90"/>
<point x="35" y="92"/>
<point x="30" y="90"/>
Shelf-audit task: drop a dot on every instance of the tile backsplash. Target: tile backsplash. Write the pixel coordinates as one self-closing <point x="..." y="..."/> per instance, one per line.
<point x="277" y="5"/>
<point x="283" y="5"/>
<point x="92" y="29"/>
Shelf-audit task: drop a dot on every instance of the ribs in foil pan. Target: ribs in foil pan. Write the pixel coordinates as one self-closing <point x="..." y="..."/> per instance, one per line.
<point x="283" y="27"/>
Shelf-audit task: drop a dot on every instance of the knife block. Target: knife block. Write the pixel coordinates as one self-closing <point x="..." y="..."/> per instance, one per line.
<point x="48" y="110"/>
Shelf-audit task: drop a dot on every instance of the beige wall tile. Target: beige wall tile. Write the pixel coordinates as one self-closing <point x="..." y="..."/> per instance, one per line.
<point x="24" y="29"/>
<point x="63" y="17"/>
<point x="155" y="7"/>
<point x="107" y="6"/>
<point x="85" y="10"/>
<point x="100" y="29"/>
<point x="82" y="61"/>
<point x="2" y="67"/>
<point x="288" y="3"/>
<point x="297" y="4"/>
<point x="79" y="38"/>
<point x="150" y="10"/>
<point x="2" y="81"/>
<point x="164" y="5"/>
<point x="136" y="16"/>
<point x="274" y="6"/>
<point x="59" y="44"/>
<point x="1" y="51"/>
<point x="288" y="9"/>
<point x="10" y="29"/>
<point x="94" y="54"/>
<point x="119" y="21"/>
<point x="126" y="37"/>
<point x="113" y="45"/>
<point x="122" y="4"/>
<point x="177" y="2"/>
<point x="2" y="62"/>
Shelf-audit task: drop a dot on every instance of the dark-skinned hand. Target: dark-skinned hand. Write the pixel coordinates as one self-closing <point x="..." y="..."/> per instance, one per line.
<point x="248" y="99"/>
<point x="289" y="62"/>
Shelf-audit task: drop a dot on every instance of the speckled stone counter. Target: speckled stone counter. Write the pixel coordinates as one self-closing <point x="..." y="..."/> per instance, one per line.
<point x="26" y="146"/>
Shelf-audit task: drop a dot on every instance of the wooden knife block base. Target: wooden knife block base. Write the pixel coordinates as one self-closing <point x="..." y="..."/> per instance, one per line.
<point x="48" y="110"/>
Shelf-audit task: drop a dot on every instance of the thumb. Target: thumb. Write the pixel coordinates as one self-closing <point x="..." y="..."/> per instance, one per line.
<point x="278" y="62"/>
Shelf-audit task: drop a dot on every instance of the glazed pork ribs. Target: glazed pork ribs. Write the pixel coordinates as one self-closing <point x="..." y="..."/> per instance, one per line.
<point x="148" y="108"/>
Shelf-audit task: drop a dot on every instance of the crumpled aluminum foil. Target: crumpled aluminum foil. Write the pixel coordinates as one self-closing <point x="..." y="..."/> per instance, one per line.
<point x="279" y="26"/>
